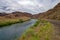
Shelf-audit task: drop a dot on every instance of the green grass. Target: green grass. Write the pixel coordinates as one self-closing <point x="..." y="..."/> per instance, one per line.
<point x="42" y="30"/>
<point x="36" y="24"/>
<point x="10" y="22"/>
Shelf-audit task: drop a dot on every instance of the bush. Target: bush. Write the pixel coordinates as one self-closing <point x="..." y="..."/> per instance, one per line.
<point x="21" y="21"/>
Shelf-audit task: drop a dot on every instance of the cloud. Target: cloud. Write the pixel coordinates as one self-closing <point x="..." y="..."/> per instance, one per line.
<point x="31" y="6"/>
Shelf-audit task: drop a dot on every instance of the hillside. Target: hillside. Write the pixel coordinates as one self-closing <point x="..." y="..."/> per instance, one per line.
<point x="14" y="17"/>
<point x="50" y="14"/>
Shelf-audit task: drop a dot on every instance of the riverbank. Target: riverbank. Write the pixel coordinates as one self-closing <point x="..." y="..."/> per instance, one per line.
<point x="8" y="21"/>
<point x="42" y="30"/>
<point x="13" y="32"/>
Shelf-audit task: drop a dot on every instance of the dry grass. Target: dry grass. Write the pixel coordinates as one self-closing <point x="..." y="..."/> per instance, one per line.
<point x="44" y="31"/>
<point x="9" y="21"/>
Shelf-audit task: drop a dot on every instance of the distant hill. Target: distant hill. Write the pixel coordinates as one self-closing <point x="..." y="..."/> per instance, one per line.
<point x="50" y="14"/>
<point x="15" y="15"/>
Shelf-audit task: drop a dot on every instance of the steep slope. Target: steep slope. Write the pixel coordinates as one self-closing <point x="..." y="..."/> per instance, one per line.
<point x="50" y="14"/>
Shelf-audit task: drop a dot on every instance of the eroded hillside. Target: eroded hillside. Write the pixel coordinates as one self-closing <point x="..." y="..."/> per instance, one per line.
<point x="50" y="14"/>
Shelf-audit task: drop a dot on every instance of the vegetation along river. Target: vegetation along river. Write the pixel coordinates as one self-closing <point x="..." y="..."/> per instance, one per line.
<point x="13" y="32"/>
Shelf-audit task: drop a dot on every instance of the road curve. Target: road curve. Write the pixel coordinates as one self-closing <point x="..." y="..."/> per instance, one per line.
<point x="15" y="31"/>
<point x="56" y="29"/>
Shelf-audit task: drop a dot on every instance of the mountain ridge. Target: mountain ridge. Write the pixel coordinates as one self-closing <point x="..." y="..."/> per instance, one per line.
<point x="15" y="14"/>
<point x="50" y="14"/>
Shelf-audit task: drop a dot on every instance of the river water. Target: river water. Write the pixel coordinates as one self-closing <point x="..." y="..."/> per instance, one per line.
<point x="13" y="32"/>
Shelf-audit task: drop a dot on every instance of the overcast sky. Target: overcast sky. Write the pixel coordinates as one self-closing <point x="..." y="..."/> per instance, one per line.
<point x="30" y="6"/>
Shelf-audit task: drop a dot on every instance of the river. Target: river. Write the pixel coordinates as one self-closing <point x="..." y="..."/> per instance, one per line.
<point x="13" y="32"/>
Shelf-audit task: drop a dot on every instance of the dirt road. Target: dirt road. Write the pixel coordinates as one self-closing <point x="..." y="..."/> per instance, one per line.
<point x="56" y="29"/>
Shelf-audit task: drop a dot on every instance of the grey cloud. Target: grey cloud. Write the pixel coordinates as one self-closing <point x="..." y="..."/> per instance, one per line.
<point x="13" y="5"/>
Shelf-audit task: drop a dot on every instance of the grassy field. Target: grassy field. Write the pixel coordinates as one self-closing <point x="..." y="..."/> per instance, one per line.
<point x="8" y="21"/>
<point x="42" y="30"/>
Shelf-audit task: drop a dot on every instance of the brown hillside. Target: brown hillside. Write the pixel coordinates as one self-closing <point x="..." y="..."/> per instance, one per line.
<point x="50" y="14"/>
<point x="15" y="15"/>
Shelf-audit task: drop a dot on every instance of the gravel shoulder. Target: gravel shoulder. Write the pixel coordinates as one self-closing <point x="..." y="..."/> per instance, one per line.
<point x="56" y="29"/>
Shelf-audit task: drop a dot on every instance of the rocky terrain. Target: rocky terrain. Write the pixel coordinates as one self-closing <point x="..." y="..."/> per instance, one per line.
<point x="50" y="14"/>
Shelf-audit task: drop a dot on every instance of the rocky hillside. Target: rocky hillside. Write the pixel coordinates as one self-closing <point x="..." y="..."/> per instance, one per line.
<point x="50" y="14"/>
<point x="15" y="15"/>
